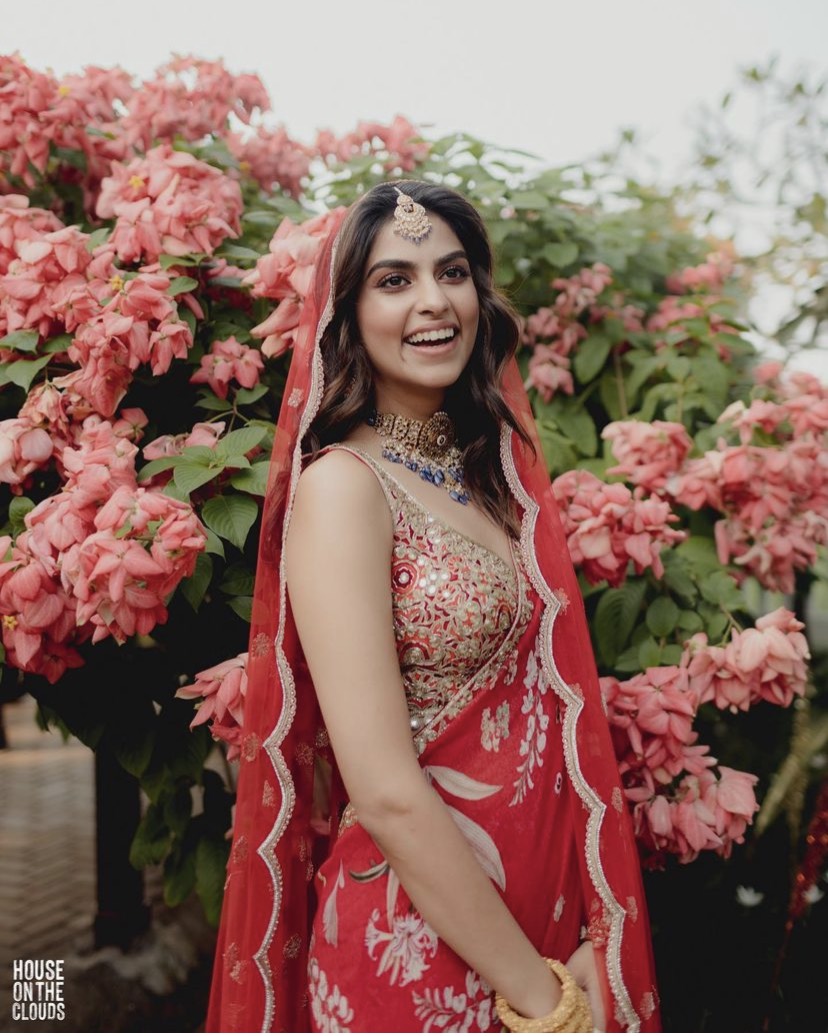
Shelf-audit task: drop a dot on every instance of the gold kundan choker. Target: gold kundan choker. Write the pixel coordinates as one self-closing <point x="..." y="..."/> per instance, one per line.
<point x="427" y="447"/>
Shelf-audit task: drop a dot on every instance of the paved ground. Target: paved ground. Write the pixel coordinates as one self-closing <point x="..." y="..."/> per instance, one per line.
<point x="47" y="901"/>
<point x="47" y="846"/>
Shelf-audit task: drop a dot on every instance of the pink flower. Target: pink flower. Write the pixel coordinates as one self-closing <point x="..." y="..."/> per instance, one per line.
<point x="648" y="452"/>
<point x="203" y="434"/>
<point x="607" y="526"/>
<point x="286" y="274"/>
<point x="549" y="372"/>
<point x="23" y="449"/>
<point x="192" y="99"/>
<point x="271" y="158"/>
<point x="229" y="361"/>
<point x="222" y="688"/>
<point x="169" y="201"/>
<point x="767" y="663"/>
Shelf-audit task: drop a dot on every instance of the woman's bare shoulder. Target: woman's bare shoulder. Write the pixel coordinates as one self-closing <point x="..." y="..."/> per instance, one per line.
<point x="339" y="479"/>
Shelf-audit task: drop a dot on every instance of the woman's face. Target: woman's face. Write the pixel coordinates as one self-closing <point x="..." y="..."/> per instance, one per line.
<point x="417" y="312"/>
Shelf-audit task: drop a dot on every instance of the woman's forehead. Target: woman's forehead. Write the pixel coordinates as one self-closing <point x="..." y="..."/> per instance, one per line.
<point x="389" y="246"/>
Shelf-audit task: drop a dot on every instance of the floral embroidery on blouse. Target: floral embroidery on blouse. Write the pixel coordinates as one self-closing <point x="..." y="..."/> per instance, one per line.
<point x="459" y="610"/>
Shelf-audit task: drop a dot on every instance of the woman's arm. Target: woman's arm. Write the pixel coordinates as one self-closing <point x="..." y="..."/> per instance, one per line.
<point x="338" y="564"/>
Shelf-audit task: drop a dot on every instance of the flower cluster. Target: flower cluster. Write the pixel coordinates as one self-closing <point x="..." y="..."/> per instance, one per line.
<point x="168" y="202"/>
<point x="554" y="331"/>
<point x="229" y="361"/>
<point x="286" y="274"/>
<point x="607" y="526"/>
<point x="648" y="453"/>
<point x="399" y="144"/>
<point x="774" y="498"/>
<point x="43" y="117"/>
<point x="707" y="276"/>
<point x="97" y="559"/>
<point x="767" y="663"/>
<point x="683" y="802"/>
<point x="222" y="689"/>
<point x="271" y="158"/>
<point x="191" y="99"/>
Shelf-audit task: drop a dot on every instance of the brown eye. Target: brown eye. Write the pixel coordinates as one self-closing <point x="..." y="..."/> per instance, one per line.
<point x="393" y="280"/>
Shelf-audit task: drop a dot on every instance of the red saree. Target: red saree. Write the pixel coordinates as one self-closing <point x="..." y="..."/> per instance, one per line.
<point x="512" y="734"/>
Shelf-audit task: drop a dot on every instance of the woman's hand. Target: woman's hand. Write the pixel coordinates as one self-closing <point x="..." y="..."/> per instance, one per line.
<point x="585" y="972"/>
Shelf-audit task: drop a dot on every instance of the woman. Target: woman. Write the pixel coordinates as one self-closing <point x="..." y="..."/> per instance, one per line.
<point x="477" y="820"/>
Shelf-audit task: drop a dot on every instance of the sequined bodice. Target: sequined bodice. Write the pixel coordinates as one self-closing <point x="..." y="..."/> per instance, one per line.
<point x="456" y="604"/>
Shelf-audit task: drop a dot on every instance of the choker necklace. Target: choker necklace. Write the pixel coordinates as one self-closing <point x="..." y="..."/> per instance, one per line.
<point x="427" y="447"/>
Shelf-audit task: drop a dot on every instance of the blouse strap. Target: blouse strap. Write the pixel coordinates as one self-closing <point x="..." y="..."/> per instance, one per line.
<point x="385" y="480"/>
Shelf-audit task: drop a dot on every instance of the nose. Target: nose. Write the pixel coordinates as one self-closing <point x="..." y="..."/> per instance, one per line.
<point x="431" y="297"/>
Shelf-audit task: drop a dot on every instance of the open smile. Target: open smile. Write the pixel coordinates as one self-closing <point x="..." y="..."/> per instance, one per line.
<point x="432" y="340"/>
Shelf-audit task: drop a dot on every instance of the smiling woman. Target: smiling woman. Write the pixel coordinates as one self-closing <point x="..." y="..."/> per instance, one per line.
<point x="414" y="611"/>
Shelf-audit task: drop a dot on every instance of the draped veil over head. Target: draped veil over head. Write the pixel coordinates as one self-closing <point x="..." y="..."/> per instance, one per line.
<point x="259" y="981"/>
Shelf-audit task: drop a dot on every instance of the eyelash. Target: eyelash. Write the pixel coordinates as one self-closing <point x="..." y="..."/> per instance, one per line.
<point x="385" y="282"/>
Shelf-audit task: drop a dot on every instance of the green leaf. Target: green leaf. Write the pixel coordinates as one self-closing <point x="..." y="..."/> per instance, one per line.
<point x="155" y="467"/>
<point x="23" y="372"/>
<point x="58" y="344"/>
<point x="239" y="252"/>
<point x="242" y="606"/>
<point x="21" y="341"/>
<point x="179" y="877"/>
<point x="134" y="750"/>
<point x="210" y="873"/>
<point x="649" y="654"/>
<point x="615" y="617"/>
<point x="209" y="401"/>
<point x="662" y="617"/>
<point x="99" y="236"/>
<point x="189" y="475"/>
<point x="246" y="396"/>
<point x="721" y="589"/>
<point x="557" y="449"/>
<point x="627" y="661"/>
<point x="577" y="425"/>
<point x="181" y="285"/>
<point x="214" y="544"/>
<point x="177" y="809"/>
<point x="241" y="441"/>
<point x="151" y="841"/>
<point x="690" y="622"/>
<point x="238" y="580"/>
<point x="230" y="517"/>
<point x="194" y="588"/>
<point x="560" y="253"/>
<point x="530" y="200"/>
<point x="591" y="356"/>
<point x="671" y="654"/>
<point x="18" y="509"/>
<point x="253" y="480"/>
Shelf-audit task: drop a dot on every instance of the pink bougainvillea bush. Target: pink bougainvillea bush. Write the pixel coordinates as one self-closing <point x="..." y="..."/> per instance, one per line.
<point x="157" y="241"/>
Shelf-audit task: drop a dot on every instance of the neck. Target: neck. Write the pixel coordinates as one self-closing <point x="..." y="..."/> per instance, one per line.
<point x="419" y="408"/>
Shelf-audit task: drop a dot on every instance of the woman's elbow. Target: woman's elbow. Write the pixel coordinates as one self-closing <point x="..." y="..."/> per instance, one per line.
<point x="385" y="810"/>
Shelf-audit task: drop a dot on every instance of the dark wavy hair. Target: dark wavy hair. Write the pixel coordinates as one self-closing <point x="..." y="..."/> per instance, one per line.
<point x="474" y="402"/>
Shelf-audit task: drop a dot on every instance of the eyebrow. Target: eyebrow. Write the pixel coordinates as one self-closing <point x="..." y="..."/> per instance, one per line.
<point x="405" y="264"/>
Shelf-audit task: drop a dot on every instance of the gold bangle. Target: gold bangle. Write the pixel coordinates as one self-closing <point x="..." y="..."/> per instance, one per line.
<point x="572" y="1014"/>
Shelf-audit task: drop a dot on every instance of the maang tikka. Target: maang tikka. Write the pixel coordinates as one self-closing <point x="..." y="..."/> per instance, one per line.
<point x="410" y="219"/>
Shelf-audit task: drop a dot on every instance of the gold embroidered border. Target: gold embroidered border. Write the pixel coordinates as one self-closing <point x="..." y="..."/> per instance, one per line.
<point x="574" y="706"/>
<point x="273" y="742"/>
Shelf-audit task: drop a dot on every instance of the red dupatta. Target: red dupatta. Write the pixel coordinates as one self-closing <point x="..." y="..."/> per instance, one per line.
<point x="260" y="980"/>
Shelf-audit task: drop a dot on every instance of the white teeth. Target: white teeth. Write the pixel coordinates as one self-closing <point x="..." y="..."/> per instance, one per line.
<point x="442" y="335"/>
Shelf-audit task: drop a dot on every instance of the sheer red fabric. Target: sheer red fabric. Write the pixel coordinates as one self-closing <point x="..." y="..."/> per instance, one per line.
<point x="260" y="978"/>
